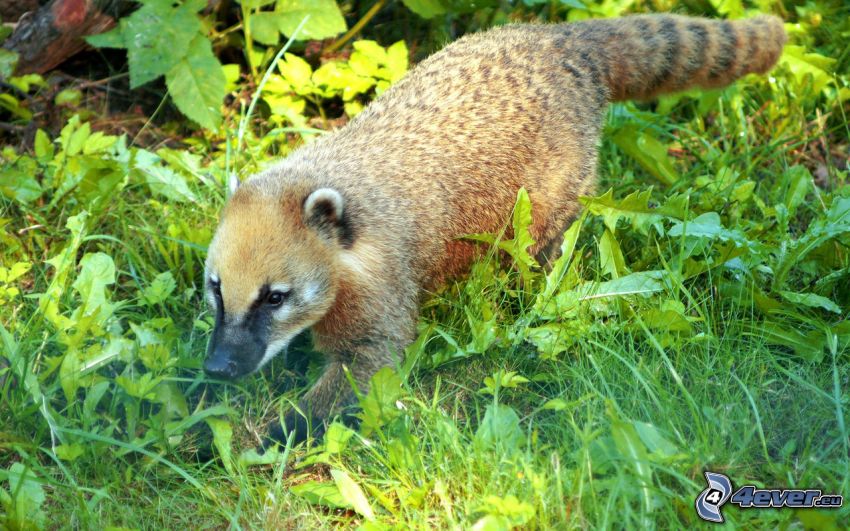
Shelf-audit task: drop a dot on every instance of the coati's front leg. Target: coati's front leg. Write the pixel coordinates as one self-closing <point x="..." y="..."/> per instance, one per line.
<point x="332" y="393"/>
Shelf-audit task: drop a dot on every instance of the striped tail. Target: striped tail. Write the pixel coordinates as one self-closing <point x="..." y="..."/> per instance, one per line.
<point x="649" y="55"/>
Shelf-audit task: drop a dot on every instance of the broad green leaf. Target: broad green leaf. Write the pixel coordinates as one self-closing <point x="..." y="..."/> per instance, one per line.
<point x="97" y="271"/>
<point x="43" y="146"/>
<point x="222" y="438"/>
<point x="500" y="429"/>
<point x="425" y="8"/>
<point x="297" y="72"/>
<point x="19" y="184"/>
<point x="810" y="70"/>
<point x="196" y="83"/>
<point x="611" y="261"/>
<point x="69" y="452"/>
<point x="648" y="151"/>
<point x="113" y="38"/>
<point x="552" y="339"/>
<point x="811" y="300"/>
<point x="800" y="184"/>
<point x="507" y="510"/>
<point x="172" y="399"/>
<point x="321" y="493"/>
<point x="559" y="269"/>
<point x="635" y="208"/>
<point x="98" y="143"/>
<point x="159" y="290"/>
<point x="822" y="230"/>
<point x="397" y="61"/>
<point x="708" y="226"/>
<point x="158" y="38"/>
<point x="378" y="407"/>
<point x="810" y="346"/>
<point x="27" y="495"/>
<point x="325" y="20"/>
<point x="337" y="437"/>
<point x="501" y="380"/>
<point x="641" y="283"/>
<point x="8" y="63"/>
<point x="351" y="492"/>
<point x="633" y="452"/>
<point x="654" y="440"/>
<point x="162" y="180"/>
<point x="264" y="27"/>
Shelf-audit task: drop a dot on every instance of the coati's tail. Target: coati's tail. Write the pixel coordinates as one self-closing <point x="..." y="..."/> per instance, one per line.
<point x="648" y="55"/>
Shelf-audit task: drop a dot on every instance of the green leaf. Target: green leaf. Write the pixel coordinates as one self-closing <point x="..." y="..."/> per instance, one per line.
<point x="69" y="452"/>
<point x="500" y="429"/>
<point x="397" y="61"/>
<point x="297" y="72"/>
<point x="321" y="493"/>
<point x="559" y="269"/>
<point x="159" y="290"/>
<point x="222" y="439"/>
<point x="27" y="495"/>
<point x="97" y="271"/>
<point x="69" y="97"/>
<point x="43" y="147"/>
<point x="162" y="180"/>
<point x="811" y="71"/>
<point x="264" y="27"/>
<point x="709" y="227"/>
<point x="158" y="38"/>
<point x="654" y="440"/>
<point x="18" y="184"/>
<point x="8" y="63"/>
<point x="378" y="407"/>
<point x="113" y="38"/>
<point x="641" y="283"/>
<point x="196" y="83"/>
<point x="337" y="437"/>
<point x="425" y="8"/>
<point x="353" y="495"/>
<point x="811" y="300"/>
<point x="635" y="208"/>
<point x="325" y="20"/>
<point x="650" y="153"/>
<point x="633" y="452"/>
<point x="611" y="258"/>
<point x="836" y="223"/>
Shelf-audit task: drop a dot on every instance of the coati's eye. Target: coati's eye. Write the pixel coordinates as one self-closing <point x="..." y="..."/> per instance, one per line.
<point x="276" y="298"/>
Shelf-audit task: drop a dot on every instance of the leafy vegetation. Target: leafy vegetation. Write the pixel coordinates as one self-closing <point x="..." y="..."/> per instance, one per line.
<point x="696" y="319"/>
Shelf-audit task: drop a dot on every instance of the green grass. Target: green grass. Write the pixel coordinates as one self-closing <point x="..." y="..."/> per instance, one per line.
<point x="725" y="364"/>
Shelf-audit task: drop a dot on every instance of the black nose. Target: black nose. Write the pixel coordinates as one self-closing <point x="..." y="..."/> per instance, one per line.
<point x="219" y="367"/>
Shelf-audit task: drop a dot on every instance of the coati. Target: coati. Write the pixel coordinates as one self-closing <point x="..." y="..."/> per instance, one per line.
<point x="346" y="233"/>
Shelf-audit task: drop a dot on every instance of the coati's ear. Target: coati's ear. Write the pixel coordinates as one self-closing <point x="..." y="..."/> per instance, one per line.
<point x="325" y="210"/>
<point x="232" y="184"/>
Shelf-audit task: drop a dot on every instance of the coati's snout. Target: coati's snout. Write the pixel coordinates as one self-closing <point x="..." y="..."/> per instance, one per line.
<point x="237" y="349"/>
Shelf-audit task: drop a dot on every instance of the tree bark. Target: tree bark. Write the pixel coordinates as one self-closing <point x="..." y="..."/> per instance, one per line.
<point x="11" y="10"/>
<point x="55" y="32"/>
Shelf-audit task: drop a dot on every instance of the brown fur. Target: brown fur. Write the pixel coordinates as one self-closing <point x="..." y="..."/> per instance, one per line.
<point x="442" y="154"/>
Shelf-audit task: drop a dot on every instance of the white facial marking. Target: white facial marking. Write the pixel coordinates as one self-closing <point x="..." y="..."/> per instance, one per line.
<point x="282" y="313"/>
<point x="282" y="287"/>
<point x="310" y="291"/>
<point x="272" y="350"/>
<point x="209" y="292"/>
